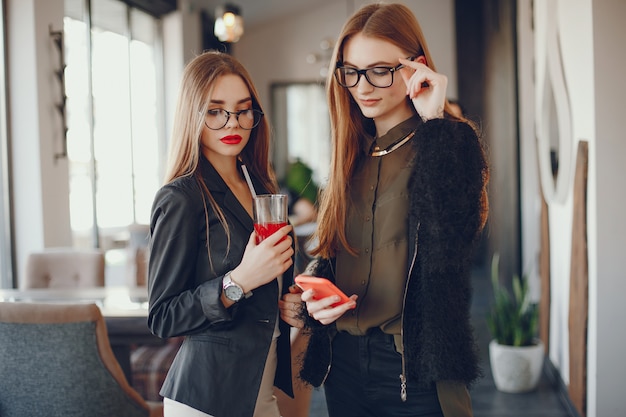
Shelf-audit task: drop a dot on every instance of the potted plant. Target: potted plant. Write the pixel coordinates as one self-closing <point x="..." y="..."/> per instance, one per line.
<point x="515" y="353"/>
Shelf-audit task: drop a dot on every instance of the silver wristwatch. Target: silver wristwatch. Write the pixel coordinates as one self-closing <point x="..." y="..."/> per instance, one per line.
<point x="232" y="290"/>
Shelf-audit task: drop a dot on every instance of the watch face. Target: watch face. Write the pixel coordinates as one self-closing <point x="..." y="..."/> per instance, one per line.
<point x="233" y="292"/>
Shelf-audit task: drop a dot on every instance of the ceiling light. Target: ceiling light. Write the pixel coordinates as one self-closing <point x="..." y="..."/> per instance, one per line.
<point x="228" y="23"/>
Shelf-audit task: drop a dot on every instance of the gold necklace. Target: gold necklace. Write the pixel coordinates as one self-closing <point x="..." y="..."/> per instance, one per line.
<point x="376" y="151"/>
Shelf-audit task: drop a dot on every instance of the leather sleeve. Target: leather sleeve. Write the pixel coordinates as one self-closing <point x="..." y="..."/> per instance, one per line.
<point x="178" y="304"/>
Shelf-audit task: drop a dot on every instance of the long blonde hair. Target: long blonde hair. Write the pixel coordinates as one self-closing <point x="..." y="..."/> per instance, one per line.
<point x="193" y="102"/>
<point x="185" y="152"/>
<point x="394" y="23"/>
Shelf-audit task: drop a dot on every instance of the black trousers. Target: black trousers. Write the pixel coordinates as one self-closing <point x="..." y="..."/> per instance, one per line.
<point x="364" y="380"/>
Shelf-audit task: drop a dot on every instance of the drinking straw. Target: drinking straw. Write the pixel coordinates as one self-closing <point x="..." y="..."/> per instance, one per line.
<point x="248" y="180"/>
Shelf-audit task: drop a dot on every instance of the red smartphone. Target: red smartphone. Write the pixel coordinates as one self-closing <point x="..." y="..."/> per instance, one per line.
<point x="323" y="288"/>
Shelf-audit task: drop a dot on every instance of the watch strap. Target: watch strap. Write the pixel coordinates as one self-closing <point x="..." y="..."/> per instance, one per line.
<point x="228" y="282"/>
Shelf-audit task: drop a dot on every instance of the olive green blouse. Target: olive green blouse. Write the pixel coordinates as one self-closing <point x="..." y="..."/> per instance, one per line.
<point x="376" y="226"/>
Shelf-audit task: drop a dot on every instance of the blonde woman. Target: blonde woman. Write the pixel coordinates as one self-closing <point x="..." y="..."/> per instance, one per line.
<point x="208" y="278"/>
<point x="398" y="220"/>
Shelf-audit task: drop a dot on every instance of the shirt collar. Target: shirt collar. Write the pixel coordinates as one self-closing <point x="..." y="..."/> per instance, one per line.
<point x="394" y="134"/>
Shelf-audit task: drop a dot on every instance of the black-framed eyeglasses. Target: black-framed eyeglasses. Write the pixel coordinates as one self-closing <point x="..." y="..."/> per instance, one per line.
<point x="381" y="77"/>
<point x="248" y="119"/>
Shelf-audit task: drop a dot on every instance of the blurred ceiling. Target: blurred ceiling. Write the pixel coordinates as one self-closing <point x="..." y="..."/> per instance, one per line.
<point x="255" y="12"/>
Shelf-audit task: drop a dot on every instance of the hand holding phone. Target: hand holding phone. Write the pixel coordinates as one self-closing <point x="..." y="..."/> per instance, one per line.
<point x="323" y="288"/>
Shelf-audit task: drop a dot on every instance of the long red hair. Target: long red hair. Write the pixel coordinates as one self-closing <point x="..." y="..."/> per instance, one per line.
<point x="394" y="23"/>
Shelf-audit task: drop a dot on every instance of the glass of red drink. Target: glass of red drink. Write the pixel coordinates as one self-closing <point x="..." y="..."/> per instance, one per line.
<point x="270" y="214"/>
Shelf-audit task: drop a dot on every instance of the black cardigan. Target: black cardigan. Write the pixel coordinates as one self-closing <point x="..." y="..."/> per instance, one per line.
<point x="444" y="223"/>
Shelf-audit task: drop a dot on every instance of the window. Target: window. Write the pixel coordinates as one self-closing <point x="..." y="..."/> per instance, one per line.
<point x="302" y="128"/>
<point x="114" y="110"/>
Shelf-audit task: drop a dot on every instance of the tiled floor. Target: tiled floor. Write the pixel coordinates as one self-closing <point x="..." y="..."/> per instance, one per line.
<point x="487" y="401"/>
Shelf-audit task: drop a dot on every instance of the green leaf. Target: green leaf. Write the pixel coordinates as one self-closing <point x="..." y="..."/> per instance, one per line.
<point x="513" y="319"/>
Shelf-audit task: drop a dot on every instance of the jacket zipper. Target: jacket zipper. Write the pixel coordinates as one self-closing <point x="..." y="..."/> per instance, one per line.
<point x="403" y="394"/>
<point x="330" y="347"/>
<point x="330" y="361"/>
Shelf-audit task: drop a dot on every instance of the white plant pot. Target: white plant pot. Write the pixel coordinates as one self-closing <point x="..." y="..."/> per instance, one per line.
<point x="516" y="369"/>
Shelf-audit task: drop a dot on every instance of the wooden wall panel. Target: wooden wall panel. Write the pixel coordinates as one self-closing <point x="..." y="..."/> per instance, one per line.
<point x="579" y="288"/>
<point x="544" y="275"/>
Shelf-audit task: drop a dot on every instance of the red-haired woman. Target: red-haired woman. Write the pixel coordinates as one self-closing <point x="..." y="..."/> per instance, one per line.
<point x="399" y="217"/>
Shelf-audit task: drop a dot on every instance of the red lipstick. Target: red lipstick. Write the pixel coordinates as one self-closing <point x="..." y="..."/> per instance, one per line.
<point x="231" y="139"/>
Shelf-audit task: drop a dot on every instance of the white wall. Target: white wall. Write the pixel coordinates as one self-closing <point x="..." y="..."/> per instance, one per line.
<point x="41" y="184"/>
<point x="572" y="28"/>
<point x="590" y="35"/>
<point x="607" y="189"/>
<point x="182" y="40"/>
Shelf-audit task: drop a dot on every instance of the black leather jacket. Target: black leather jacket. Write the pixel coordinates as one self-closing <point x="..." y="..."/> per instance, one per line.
<point x="219" y="366"/>
<point x="445" y="191"/>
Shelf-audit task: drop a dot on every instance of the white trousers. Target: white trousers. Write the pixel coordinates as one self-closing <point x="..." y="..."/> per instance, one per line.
<point x="173" y="408"/>
<point x="266" y="404"/>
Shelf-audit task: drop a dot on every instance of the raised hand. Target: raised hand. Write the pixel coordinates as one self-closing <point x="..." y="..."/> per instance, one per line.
<point x="425" y="87"/>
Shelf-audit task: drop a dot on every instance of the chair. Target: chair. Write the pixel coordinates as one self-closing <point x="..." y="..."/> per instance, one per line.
<point x="65" y="268"/>
<point x="150" y="364"/>
<point x="55" y="360"/>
